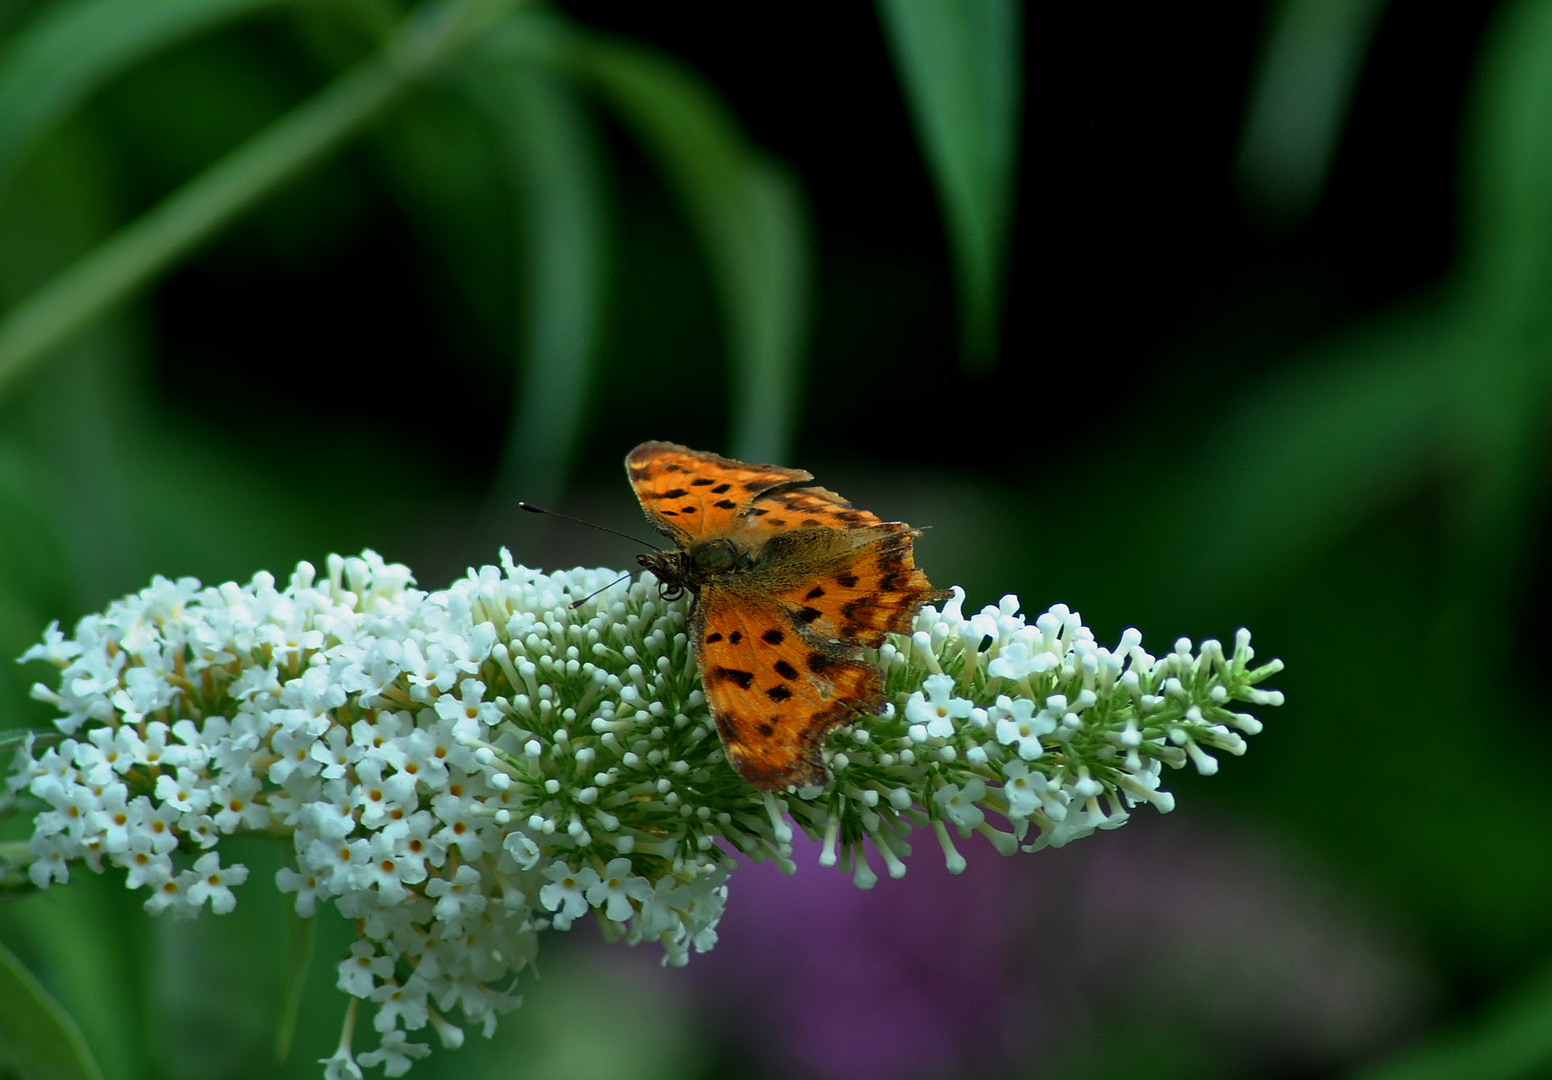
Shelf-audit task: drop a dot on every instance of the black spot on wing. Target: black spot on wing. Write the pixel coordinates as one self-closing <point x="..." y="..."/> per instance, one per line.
<point x="773" y="636"/>
<point x="702" y="481"/>
<point x="767" y="730"/>
<point x="786" y="670"/>
<point x="819" y="662"/>
<point x="713" y="638"/>
<point x="689" y="508"/>
<point x="732" y="675"/>
<point x="846" y="581"/>
<point x="815" y="593"/>
<point x="720" y="489"/>
<point x="808" y="614"/>
<point x="735" y="637"/>
<point x="676" y="493"/>
<point x="725" y="504"/>
<point x="778" y="693"/>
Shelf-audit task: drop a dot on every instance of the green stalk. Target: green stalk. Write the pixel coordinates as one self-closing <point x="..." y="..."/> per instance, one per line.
<point x="196" y="212"/>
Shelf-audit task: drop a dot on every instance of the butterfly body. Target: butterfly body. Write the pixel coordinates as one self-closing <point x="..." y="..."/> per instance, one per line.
<point x="791" y="585"/>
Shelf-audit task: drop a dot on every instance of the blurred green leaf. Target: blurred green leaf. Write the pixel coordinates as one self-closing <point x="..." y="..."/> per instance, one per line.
<point x="960" y="63"/>
<point x="552" y="162"/>
<point x="192" y="215"/>
<point x="37" y="1036"/>
<point x="63" y="434"/>
<point x="80" y="936"/>
<point x="1391" y="483"/>
<point x="71" y="48"/>
<point x="749" y="215"/>
<point x="1312" y="54"/>
<point x="1513" y="1041"/>
<point x="1302" y="459"/>
<point x="1506" y="232"/>
<point x="556" y="1035"/>
<point x="1457" y="387"/>
<point x="1461" y="383"/>
<point x="215" y="985"/>
<point x="168" y="232"/>
<point x="769" y="272"/>
<point x="746" y="210"/>
<point x="444" y="169"/>
<point x="32" y="576"/>
<point x="301" y="939"/>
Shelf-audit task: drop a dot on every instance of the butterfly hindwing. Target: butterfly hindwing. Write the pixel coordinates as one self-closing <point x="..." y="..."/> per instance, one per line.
<point x="858" y="600"/>
<point x="775" y="691"/>
<point x="803" y="508"/>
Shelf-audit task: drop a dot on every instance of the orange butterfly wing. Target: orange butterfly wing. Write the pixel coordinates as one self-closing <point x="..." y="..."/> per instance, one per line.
<point x="775" y="694"/>
<point x="690" y="494"/>
<point x="876" y="592"/>
<point x="779" y="640"/>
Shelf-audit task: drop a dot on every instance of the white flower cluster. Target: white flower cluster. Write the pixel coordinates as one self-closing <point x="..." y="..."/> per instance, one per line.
<point x="1034" y="722"/>
<point x="461" y="769"/>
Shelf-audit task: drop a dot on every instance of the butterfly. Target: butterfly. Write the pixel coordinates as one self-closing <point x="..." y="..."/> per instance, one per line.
<point x="791" y="585"/>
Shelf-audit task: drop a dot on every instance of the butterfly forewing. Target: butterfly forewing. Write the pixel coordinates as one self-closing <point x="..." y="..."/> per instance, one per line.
<point x="689" y="494"/>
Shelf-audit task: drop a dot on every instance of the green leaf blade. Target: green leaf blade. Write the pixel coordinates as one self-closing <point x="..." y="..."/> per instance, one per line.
<point x="189" y="217"/>
<point x="960" y="64"/>
<point x="1304" y="86"/>
<point x="301" y="940"/>
<point x="1510" y="1040"/>
<point x="748" y="216"/>
<point x="70" y="49"/>
<point x="554" y="169"/>
<point x="37" y="1037"/>
<point x="746" y="211"/>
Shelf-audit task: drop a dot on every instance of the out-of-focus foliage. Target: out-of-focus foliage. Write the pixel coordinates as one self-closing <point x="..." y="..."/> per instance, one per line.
<point x="59" y="59"/>
<point x="1510" y="1039"/>
<point x="284" y="278"/>
<point x="37" y="1037"/>
<point x="960" y="65"/>
<point x="1306" y="76"/>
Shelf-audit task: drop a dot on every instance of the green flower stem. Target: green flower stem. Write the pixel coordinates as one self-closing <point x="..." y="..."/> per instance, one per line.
<point x="193" y="214"/>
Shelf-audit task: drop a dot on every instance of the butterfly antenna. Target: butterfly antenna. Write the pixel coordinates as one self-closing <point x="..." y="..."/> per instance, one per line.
<point x="578" y="603"/>
<point x="532" y="509"/>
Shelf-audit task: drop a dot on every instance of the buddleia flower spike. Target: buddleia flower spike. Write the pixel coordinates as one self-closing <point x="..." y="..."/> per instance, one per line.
<point x="462" y="770"/>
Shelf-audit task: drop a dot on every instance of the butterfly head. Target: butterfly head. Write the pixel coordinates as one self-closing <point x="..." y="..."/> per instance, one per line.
<point x="686" y="569"/>
<point x="669" y="569"/>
